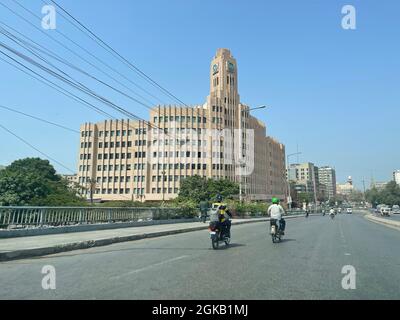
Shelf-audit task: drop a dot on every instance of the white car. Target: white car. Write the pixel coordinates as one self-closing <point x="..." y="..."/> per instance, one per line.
<point x="386" y="211"/>
<point x="349" y="210"/>
<point x="396" y="209"/>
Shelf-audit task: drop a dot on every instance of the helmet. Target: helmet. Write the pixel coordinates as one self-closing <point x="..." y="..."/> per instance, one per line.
<point x="219" y="198"/>
<point x="275" y="200"/>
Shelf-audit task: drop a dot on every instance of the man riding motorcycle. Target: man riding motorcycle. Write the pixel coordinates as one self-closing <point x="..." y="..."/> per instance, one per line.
<point x="275" y="211"/>
<point x="223" y="216"/>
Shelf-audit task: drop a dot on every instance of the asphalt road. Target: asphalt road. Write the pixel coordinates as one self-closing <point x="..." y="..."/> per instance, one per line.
<point x="306" y="265"/>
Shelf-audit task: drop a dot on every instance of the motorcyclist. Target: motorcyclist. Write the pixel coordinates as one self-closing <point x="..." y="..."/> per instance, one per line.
<point x="223" y="215"/>
<point x="275" y="211"/>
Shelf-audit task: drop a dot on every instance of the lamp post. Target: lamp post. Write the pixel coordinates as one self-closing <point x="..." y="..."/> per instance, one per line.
<point x="241" y="161"/>
<point x="288" y="177"/>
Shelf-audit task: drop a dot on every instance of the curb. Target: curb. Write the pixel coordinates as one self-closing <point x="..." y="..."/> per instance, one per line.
<point x="35" y="252"/>
<point x="382" y="221"/>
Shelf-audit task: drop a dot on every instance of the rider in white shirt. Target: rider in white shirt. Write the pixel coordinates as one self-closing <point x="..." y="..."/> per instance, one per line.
<point x="275" y="211"/>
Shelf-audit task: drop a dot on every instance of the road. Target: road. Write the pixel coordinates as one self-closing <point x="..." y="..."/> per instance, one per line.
<point x="306" y="265"/>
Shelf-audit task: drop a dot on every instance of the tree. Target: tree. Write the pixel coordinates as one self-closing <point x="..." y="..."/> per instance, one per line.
<point x="198" y="189"/>
<point x="390" y="195"/>
<point x="33" y="181"/>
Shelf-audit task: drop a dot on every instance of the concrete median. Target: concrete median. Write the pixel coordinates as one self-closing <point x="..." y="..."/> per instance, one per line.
<point x="389" y="223"/>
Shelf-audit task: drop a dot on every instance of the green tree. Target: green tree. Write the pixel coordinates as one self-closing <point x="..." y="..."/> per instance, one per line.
<point x="33" y="181"/>
<point x="197" y="189"/>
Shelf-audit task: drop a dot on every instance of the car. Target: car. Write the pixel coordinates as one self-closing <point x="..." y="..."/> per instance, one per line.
<point x="396" y="209"/>
<point x="349" y="210"/>
<point x="385" y="211"/>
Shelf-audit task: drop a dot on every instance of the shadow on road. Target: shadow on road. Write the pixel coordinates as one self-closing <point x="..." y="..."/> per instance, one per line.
<point x="231" y="246"/>
<point x="287" y="240"/>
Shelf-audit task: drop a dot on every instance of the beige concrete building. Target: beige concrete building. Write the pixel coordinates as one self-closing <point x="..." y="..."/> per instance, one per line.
<point x="140" y="160"/>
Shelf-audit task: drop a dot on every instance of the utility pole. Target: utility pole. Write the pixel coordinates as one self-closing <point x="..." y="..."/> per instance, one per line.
<point x="163" y="189"/>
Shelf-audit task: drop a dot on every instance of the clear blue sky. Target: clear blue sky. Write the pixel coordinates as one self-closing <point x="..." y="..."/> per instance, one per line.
<point x="333" y="92"/>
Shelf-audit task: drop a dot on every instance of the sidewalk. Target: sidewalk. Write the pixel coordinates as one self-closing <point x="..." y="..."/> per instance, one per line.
<point x="23" y="247"/>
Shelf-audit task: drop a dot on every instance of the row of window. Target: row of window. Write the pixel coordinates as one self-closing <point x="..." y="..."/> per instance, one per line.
<point x="137" y="191"/>
<point x="111" y="156"/>
<point x="122" y="144"/>
<point x="180" y="119"/>
<point x="117" y="133"/>
<point x="187" y="154"/>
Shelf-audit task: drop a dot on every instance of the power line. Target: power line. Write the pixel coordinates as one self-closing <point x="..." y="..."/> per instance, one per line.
<point x="53" y="55"/>
<point x="120" y="57"/>
<point x="88" y="52"/>
<point x="36" y="149"/>
<point x="39" y="119"/>
<point x="70" y="50"/>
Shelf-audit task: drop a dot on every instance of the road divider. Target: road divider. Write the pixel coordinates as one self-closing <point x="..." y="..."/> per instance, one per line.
<point x="383" y="221"/>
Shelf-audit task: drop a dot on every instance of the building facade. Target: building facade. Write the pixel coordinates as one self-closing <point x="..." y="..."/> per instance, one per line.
<point x="304" y="176"/>
<point x="346" y="188"/>
<point x="396" y="176"/>
<point x="147" y="160"/>
<point x="327" y="178"/>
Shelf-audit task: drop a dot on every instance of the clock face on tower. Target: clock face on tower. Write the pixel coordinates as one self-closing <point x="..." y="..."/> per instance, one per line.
<point x="215" y="68"/>
<point x="231" y="67"/>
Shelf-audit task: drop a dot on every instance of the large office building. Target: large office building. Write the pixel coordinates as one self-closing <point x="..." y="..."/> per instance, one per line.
<point x="147" y="160"/>
<point x="327" y="178"/>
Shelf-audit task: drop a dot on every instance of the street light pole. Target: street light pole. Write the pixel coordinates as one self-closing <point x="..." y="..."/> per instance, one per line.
<point x="288" y="177"/>
<point x="241" y="162"/>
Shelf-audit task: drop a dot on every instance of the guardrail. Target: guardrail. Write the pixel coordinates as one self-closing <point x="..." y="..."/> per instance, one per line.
<point x="23" y="217"/>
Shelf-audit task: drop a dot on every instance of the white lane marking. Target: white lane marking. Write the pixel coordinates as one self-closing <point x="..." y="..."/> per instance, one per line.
<point x="149" y="267"/>
<point x="347" y="254"/>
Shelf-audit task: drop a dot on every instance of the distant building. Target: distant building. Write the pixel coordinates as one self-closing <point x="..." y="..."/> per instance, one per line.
<point x="396" y="176"/>
<point x="2" y="167"/>
<point x="345" y="189"/>
<point x="380" y="185"/>
<point x="305" y="177"/>
<point x="71" y="178"/>
<point x="327" y="178"/>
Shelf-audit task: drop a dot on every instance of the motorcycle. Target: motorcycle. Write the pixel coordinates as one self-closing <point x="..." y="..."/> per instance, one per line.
<point x="217" y="235"/>
<point x="332" y="215"/>
<point x="275" y="232"/>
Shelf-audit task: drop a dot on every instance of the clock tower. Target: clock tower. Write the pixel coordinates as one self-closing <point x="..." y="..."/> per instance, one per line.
<point x="223" y="108"/>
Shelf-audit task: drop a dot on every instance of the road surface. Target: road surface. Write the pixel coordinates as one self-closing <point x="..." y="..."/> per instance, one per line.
<point x="306" y="265"/>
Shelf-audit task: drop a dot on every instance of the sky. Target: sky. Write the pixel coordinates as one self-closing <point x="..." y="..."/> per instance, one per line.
<point x="333" y="94"/>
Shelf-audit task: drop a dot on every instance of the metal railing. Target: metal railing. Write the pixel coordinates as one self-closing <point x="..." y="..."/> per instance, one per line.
<point x="23" y="217"/>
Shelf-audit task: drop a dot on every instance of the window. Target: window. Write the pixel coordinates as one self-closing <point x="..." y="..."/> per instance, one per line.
<point x="128" y="167"/>
<point x="128" y="179"/>
<point x="100" y="144"/>
<point x="118" y="133"/>
<point x="129" y="144"/>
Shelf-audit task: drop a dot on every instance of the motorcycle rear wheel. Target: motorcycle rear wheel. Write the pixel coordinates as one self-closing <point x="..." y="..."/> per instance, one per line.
<point x="215" y="244"/>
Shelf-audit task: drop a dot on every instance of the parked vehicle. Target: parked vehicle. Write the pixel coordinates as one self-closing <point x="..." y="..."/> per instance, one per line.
<point x="349" y="210"/>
